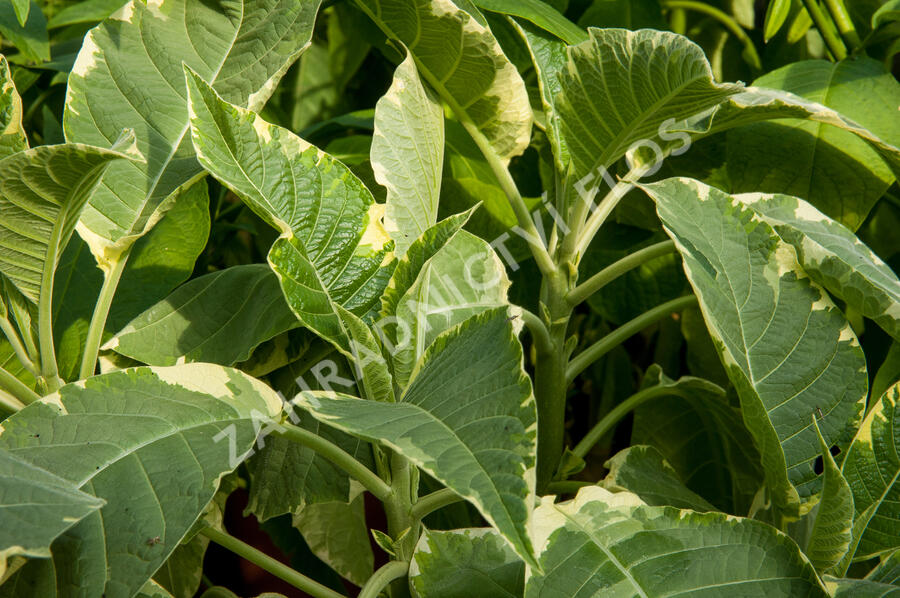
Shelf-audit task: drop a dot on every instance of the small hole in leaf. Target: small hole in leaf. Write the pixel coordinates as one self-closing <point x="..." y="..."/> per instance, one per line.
<point x="835" y="450"/>
<point x="819" y="465"/>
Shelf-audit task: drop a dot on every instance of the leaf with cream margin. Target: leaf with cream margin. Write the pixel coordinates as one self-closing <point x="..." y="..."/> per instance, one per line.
<point x="643" y="471"/>
<point x="42" y="194"/>
<point x="36" y="506"/>
<point x="613" y="545"/>
<point x="470" y="423"/>
<point x="459" y="57"/>
<point x="12" y="135"/>
<point x="153" y="443"/>
<point x="859" y="588"/>
<point x="833" y="256"/>
<point x="408" y="154"/>
<point x="786" y="347"/>
<point x="872" y="467"/>
<point x="129" y="73"/>
<point x="887" y="571"/>
<point x="194" y="324"/>
<point x="464" y="278"/>
<point x="465" y="562"/>
<point x="621" y="87"/>
<point x="333" y="248"/>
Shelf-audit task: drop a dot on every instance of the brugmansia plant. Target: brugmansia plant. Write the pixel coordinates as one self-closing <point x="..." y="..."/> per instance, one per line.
<point x="581" y="318"/>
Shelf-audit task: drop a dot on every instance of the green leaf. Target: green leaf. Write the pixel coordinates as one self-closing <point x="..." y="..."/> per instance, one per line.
<point x="476" y="435"/>
<point x="410" y="265"/>
<point x="832" y="530"/>
<point x="829" y="167"/>
<point x="627" y="14"/>
<point x="337" y="533"/>
<point x="834" y="257"/>
<point x="463" y="563"/>
<point x="151" y="442"/>
<point x="887" y="571"/>
<point x="872" y="467"/>
<point x="465" y="277"/>
<point x="460" y="58"/>
<point x="12" y="135"/>
<point x="889" y="12"/>
<point x="859" y="588"/>
<point x="37" y="506"/>
<point x="86" y="11"/>
<point x="195" y="324"/>
<point x="776" y="14"/>
<point x="22" y="8"/>
<point x="159" y="262"/>
<point x="621" y="87"/>
<point x="541" y="14"/>
<point x="372" y="369"/>
<point x="703" y="438"/>
<point x="42" y="193"/>
<point x="30" y="37"/>
<point x="642" y="470"/>
<point x="408" y="154"/>
<point x="615" y="546"/>
<point x="787" y="349"/>
<point x="333" y="248"/>
<point x="152" y="589"/>
<point x="129" y="73"/>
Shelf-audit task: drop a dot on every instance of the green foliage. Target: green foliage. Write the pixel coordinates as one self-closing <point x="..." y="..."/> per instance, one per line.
<point x="518" y="298"/>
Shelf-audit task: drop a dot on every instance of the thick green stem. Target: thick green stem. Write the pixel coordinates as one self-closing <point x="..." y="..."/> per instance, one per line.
<point x="383" y="577"/>
<point x="826" y="29"/>
<point x="13" y="337"/>
<point x="403" y="528"/>
<point x="587" y="232"/>
<point x="550" y="380"/>
<point x="267" y="563"/>
<point x="17" y="388"/>
<point x="432" y="502"/>
<point x="726" y="21"/>
<point x="49" y="369"/>
<point x="623" y="332"/>
<point x="844" y="23"/>
<point x="596" y="282"/>
<point x="9" y="403"/>
<point x="365" y="476"/>
<point x="111" y="280"/>
<point x="609" y="421"/>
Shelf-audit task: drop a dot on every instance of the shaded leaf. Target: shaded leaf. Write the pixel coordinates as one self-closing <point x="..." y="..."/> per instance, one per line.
<point x="12" y="135"/>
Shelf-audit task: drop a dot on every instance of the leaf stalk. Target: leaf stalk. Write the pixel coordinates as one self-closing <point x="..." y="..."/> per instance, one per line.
<point x="111" y="278"/>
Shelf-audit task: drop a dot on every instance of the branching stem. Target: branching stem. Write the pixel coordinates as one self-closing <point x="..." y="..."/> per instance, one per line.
<point x="596" y="282"/>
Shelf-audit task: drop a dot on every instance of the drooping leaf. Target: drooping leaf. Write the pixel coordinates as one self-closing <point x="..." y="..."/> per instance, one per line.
<point x="615" y="546"/>
<point x="460" y="58"/>
<point x="832" y="169"/>
<point x="12" y="135"/>
<point x="337" y="533"/>
<point x="152" y="443"/>
<point x="786" y="348"/>
<point x="333" y="248"/>
<point x="36" y="506"/>
<point x="643" y="471"/>
<point x="776" y="14"/>
<point x="832" y="530"/>
<point x="408" y="155"/>
<point x="42" y="193"/>
<point x="541" y="14"/>
<point x="476" y="435"/>
<point x="160" y="260"/>
<point x="834" y="257"/>
<point x="703" y="438"/>
<point x="129" y="73"/>
<point x="464" y="278"/>
<point x="888" y="12"/>
<point x="463" y="563"/>
<point x="195" y="324"/>
<point x="627" y="14"/>
<point x="30" y="37"/>
<point x="621" y="87"/>
<point x="872" y="467"/>
<point x="21" y="8"/>
<point x="372" y="369"/>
